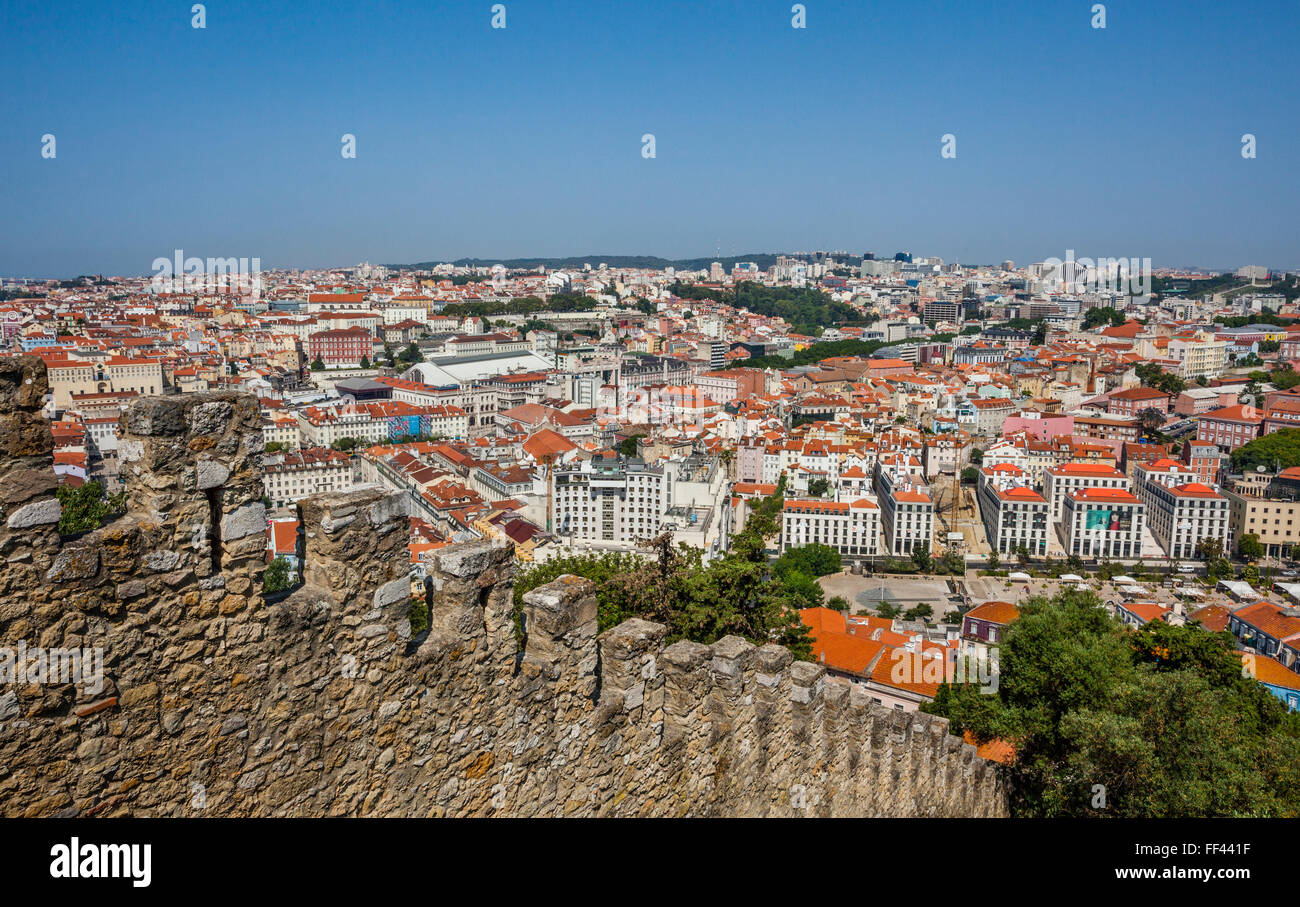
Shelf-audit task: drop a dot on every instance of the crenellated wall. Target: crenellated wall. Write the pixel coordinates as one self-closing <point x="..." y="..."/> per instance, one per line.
<point x="216" y="702"/>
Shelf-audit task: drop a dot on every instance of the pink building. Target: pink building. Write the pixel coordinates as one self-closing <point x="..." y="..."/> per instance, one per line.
<point x="1038" y="426"/>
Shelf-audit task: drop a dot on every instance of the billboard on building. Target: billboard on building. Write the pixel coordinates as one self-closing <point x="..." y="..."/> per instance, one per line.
<point x="1110" y="520"/>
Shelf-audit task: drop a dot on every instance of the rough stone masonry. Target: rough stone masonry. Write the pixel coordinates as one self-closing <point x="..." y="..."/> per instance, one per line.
<point x="216" y="702"/>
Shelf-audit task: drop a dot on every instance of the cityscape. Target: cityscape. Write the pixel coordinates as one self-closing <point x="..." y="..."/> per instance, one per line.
<point x="818" y="531"/>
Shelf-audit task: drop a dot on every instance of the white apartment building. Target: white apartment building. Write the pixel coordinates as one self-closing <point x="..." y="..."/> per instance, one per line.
<point x="781" y="458"/>
<point x="854" y="483"/>
<point x="321" y="426"/>
<point x="301" y="473"/>
<point x="906" y="511"/>
<point x="478" y="402"/>
<point x="1103" y="522"/>
<point x="1002" y="476"/>
<point x="1164" y="472"/>
<point x="851" y="528"/>
<point x="720" y="388"/>
<point x="611" y="501"/>
<point x="1182" y="515"/>
<point x="1014" y="517"/>
<point x="1006" y="452"/>
<point x="1060" y="482"/>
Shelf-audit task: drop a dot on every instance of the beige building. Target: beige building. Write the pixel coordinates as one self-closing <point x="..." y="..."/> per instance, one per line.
<point x="1276" y="522"/>
<point x="101" y="375"/>
<point x="1207" y="357"/>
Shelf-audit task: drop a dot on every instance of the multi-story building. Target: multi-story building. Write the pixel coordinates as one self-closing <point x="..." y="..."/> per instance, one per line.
<point x="1282" y="412"/>
<point x="989" y="414"/>
<point x="1162" y="471"/>
<point x="314" y="470"/>
<point x="907" y="512"/>
<point x="449" y="422"/>
<point x="373" y="422"/>
<point x="1274" y="520"/>
<point x="79" y="375"/>
<point x="485" y="345"/>
<point x="985" y="624"/>
<point x="280" y="428"/>
<point x="1002" y="476"/>
<point x="478" y="402"/>
<point x="1268" y="629"/>
<point x="937" y="310"/>
<point x="1205" y="459"/>
<point x="611" y="500"/>
<point x="978" y="353"/>
<point x="1014" y="518"/>
<point x="1135" y="400"/>
<point x="1230" y="427"/>
<point x="850" y="527"/>
<point x="499" y="483"/>
<point x="1181" y="515"/>
<point x="1198" y="400"/>
<point x="342" y="348"/>
<point x="1199" y="357"/>
<point x="1109" y="428"/>
<point x="1103" y="522"/>
<point x="1061" y="481"/>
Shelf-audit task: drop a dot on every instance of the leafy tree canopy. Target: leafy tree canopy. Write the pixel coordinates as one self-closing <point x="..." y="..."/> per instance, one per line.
<point x="87" y="507"/>
<point x="1280" y="450"/>
<point x="1102" y="316"/>
<point x="1153" y="375"/>
<point x="1162" y="717"/>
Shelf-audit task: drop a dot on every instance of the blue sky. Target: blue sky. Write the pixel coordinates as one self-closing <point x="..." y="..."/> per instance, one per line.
<point x="527" y="140"/>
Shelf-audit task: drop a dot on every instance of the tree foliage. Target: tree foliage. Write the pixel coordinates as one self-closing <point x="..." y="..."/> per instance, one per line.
<point x="87" y="507"/>
<point x="1102" y="316"/>
<point x="1162" y="717"/>
<point x="1249" y="547"/>
<point x="814" y="560"/>
<point x="1284" y="377"/>
<point x="921" y="557"/>
<point x="1279" y="450"/>
<point x="1153" y="375"/>
<point x="807" y="310"/>
<point x="276" y="577"/>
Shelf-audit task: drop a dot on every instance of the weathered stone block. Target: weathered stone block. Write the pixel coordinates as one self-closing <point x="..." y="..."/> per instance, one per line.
<point x="247" y="520"/>
<point x="38" y="513"/>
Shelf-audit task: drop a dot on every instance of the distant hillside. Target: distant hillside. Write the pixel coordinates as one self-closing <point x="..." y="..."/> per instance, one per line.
<point x="764" y="260"/>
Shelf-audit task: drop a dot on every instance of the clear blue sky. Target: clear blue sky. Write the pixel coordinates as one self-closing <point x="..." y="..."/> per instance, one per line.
<point x="527" y="141"/>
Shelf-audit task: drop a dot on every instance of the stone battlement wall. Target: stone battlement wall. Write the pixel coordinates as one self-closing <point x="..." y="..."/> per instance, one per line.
<point x="218" y="702"/>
